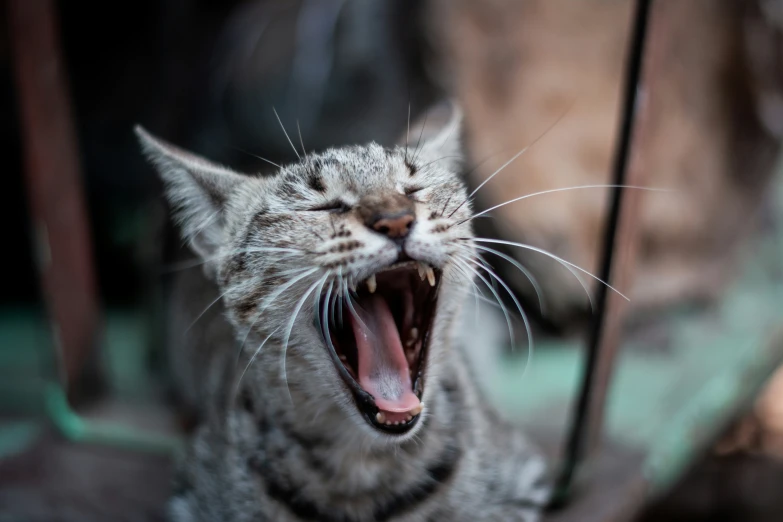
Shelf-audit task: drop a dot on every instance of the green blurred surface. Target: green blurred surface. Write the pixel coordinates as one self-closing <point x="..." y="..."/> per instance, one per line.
<point x="30" y="389"/>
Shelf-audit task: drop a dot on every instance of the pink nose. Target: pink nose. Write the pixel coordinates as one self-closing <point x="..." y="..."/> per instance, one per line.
<point x="394" y="226"/>
<point x="392" y="215"/>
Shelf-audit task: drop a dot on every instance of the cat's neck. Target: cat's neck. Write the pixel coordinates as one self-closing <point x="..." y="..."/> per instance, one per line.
<point x="353" y="458"/>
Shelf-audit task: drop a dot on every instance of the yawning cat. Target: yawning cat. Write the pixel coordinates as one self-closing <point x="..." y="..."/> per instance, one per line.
<point x="339" y="392"/>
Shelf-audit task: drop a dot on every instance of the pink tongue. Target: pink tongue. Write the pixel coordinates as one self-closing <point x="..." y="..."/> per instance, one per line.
<point x="383" y="369"/>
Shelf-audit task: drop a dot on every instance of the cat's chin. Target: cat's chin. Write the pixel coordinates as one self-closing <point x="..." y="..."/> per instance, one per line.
<point x="379" y="339"/>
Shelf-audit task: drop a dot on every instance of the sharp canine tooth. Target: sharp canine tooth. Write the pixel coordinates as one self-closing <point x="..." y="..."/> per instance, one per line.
<point x="431" y="276"/>
<point x="414" y="334"/>
<point x="422" y="268"/>
<point x="372" y="284"/>
<point x="380" y="417"/>
<point x="415" y="411"/>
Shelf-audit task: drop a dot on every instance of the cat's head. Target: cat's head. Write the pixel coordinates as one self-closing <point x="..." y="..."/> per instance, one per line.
<point x="341" y="273"/>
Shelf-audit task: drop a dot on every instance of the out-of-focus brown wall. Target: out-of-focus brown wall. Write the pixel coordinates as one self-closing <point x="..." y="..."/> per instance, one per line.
<point x="517" y="66"/>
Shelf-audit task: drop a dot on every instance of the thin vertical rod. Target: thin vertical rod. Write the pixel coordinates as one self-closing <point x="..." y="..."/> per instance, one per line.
<point x="587" y="417"/>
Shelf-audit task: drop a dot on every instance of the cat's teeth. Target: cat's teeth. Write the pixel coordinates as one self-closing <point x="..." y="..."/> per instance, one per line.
<point x="388" y="423"/>
<point x="431" y="276"/>
<point x="422" y="268"/>
<point x="371" y="284"/>
<point x="415" y="411"/>
<point x="408" y="418"/>
<point x="413" y="335"/>
<point x="380" y="417"/>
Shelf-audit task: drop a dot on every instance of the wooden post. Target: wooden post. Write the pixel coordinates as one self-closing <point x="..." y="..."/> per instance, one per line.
<point x="53" y="179"/>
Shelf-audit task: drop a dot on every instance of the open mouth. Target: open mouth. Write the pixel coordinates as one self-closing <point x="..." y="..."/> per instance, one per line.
<point x="378" y="341"/>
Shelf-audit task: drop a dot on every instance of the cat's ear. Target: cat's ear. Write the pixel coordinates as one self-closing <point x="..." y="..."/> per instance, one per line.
<point x="440" y="142"/>
<point x="197" y="190"/>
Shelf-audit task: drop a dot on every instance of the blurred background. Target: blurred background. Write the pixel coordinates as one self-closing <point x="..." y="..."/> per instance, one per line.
<point x="694" y="417"/>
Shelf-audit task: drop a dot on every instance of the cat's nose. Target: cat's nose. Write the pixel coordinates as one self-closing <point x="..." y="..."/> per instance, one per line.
<point x="391" y="216"/>
<point x="395" y="226"/>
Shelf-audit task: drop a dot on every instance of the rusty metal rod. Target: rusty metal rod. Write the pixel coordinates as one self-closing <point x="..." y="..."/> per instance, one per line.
<point x="603" y="339"/>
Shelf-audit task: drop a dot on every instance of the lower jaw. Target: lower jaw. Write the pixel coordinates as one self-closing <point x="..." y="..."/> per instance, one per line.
<point x="393" y="429"/>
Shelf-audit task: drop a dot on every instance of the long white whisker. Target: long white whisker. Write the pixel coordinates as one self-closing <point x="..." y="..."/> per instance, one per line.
<point x="437" y="160"/>
<point x="534" y="282"/>
<point x="327" y="335"/>
<point x="327" y="302"/>
<point x="549" y="254"/>
<point x="299" y="130"/>
<point x="270" y="298"/>
<point x="333" y="300"/>
<point x="521" y="313"/>
<point x="460" y="258"/>
<point x="485" y="300"/>
<point x="253" y="358"/>
<point x="340" y="295"/>
<point x="174" y="267"/>
<point x="259" y="157"/>
<point x="472" y="256"/>
<point x="416" y="152"/>
<point x="286" y="134"/>
<point x="317" y="306"/>
<point x="455" y="125"/>
<point x="322" y="322"/>
<point x="650" y="189"/>
<point x="522" y="269"/>
<point x="509" y="162"/>
<point x="351" y="309"/>
<point x="484" y="262"/>
<point x="468" y="174"/>
<point x="297" y="309"/>
<point x="210" y="305"/>
<point x="584" y="285"/>
<point x="500" y="302"/>
<point x="408" y="133"/>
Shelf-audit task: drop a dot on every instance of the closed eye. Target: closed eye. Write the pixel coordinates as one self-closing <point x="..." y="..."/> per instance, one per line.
<point x="331" y="206"/>
<point x="409" y="191"/>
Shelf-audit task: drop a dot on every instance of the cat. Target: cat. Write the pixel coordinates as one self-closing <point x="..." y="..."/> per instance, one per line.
<point x="335" y="388"/>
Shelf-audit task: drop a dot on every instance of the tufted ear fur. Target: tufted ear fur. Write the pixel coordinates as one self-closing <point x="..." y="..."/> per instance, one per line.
<point x="197" y="190"/>
<point x="440" y="130"/>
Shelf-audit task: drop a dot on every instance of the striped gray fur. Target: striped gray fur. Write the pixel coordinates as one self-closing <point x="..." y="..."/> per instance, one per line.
<point x="280" y="436"/>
